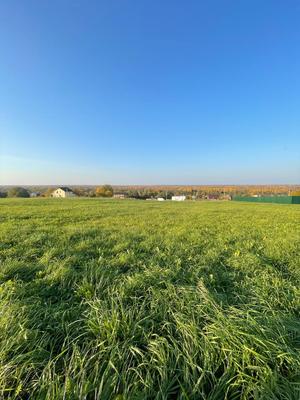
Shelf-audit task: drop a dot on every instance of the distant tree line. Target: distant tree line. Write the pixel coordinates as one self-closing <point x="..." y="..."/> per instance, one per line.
<point x="15" y="192"/>
<point x="154" y="192"/>
<point x="100" y="191"/>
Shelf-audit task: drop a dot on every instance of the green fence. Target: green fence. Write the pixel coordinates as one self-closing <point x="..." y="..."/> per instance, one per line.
<point x="270" y="199"/>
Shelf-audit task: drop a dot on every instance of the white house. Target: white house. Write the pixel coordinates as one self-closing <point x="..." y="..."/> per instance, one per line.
<point x="178" y="198"/>
<point x="63" y="192"/>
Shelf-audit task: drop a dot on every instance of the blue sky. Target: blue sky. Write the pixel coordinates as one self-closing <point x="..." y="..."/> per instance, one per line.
<point x="149" y="92"/>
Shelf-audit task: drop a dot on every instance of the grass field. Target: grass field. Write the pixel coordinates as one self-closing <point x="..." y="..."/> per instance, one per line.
<point x="103" y="299"/>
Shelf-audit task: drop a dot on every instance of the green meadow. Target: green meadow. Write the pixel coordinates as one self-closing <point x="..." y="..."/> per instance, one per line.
<point x="120" y="299"/>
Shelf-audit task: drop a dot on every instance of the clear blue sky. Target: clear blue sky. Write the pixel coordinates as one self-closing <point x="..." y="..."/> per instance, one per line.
<point x="149" y="92"/>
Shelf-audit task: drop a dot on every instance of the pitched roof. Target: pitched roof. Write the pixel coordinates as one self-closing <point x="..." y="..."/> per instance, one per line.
<point x="65" y="189"/>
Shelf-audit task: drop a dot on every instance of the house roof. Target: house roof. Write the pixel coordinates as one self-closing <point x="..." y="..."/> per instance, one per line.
<point x="65" y="189"/>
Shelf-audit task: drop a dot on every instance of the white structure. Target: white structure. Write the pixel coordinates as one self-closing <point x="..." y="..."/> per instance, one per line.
<point x="63" y="192"/>
<point x="34" y="194"/>
<point x="160" y="199"/>
<point x="178" y="198"/>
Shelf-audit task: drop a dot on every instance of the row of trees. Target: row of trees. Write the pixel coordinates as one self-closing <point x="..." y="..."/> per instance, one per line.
<point x="148" y="194"/>
<point x="167" y="194"/>
<point x="15" y="192"/>
<point x="214" y="190"/>
<point x="140" y="192"/>
<point x="101" y="191"/>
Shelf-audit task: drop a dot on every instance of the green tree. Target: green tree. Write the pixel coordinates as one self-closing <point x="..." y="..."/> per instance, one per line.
<point x="18" y="192"/>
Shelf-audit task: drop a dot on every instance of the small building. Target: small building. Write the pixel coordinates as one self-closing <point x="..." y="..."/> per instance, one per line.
<point x="178" y="198"/>
<point x="119" y="196"/>
<point x="160" y="199"/>
<point x="35" y="194"/>
<point x="213" y="197"/>
<point x="63" y="192"/>
<point x="225" y="197"/>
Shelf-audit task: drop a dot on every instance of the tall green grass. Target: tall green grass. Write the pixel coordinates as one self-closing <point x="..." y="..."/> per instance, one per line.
<point x="103" y="299"/>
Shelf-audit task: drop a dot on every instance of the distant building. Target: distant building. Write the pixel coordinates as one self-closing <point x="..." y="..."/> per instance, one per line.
<point x="213" y="197"/>
<point x="63" y="192"/>
<point x="225" y="197"/>
<point x="160" y="199"/>
<point x="119" y="196"/>
<point x="35" y="194"/>
<point x="178" y="198"/>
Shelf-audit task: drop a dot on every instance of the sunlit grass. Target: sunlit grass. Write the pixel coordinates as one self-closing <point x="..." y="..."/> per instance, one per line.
<point x="104" y="299"/>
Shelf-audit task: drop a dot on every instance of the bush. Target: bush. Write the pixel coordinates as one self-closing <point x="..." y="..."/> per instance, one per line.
<point x="104" y="191"/>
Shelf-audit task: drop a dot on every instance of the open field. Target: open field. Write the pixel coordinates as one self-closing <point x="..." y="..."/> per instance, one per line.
<point x="104" y="299"/>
